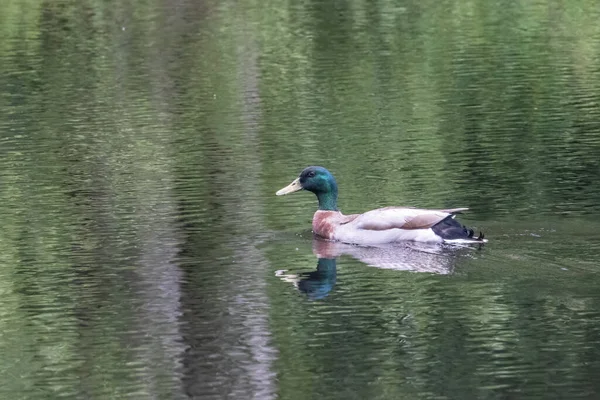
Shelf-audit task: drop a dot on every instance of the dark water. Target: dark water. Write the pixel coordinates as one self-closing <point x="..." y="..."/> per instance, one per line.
<point x="143" y="253"/>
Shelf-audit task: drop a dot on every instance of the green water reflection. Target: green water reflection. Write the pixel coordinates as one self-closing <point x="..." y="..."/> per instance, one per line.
<point x="141" y="144"/>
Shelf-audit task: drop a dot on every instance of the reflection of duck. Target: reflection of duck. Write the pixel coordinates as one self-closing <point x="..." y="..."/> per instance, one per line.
<point x="316" y="284"/>
<point x="408" y="256"/>
<point x="383" y="225"/>
<point x="413" y="257"/>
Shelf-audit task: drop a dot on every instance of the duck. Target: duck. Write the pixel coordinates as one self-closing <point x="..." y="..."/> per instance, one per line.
<point x="379" y="226"/>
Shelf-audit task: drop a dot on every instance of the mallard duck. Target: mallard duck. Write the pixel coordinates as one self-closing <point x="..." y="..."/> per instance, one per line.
<point x="379" y="226"/>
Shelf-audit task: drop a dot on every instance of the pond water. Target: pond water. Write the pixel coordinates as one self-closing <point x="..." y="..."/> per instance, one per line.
<point x="144" y="254"/>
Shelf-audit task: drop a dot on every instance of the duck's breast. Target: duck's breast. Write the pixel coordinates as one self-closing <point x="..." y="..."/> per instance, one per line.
<point x="324" y="223"/>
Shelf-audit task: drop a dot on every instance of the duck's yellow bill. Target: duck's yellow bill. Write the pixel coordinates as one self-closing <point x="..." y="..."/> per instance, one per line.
<point x="291" y="188"/>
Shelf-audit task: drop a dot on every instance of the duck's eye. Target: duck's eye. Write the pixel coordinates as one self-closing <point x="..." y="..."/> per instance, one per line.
<point x="311" y="174"/>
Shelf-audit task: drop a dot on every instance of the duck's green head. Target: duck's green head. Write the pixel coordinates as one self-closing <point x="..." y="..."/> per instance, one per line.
<point x="319" y="181"/>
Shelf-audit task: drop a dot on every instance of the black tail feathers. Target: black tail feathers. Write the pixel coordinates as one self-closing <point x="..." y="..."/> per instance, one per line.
<point x="451" y="229"/>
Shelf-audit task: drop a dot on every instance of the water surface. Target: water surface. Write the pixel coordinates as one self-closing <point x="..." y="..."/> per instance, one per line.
<point x="143" y="253"/>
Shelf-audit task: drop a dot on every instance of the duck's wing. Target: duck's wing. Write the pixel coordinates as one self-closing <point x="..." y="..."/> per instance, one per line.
<point x="401" y="218"/>
<point x="454" y="210"/>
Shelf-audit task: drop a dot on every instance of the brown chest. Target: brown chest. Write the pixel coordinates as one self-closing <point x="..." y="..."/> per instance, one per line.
<point x="324" y="223"/>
